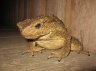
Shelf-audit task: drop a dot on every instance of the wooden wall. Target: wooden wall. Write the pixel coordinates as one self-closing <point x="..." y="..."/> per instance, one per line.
<point x="23" y="9"/>
<point x="56" y="7"/>
<point x="83" y="18"/>
<point x="29" y="8"/>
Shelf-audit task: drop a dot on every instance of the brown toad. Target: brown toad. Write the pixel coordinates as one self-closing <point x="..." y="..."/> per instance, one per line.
<point x="49" y="32"/>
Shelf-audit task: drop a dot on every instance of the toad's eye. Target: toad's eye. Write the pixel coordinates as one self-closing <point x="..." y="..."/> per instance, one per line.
<point x="37" y="26"/>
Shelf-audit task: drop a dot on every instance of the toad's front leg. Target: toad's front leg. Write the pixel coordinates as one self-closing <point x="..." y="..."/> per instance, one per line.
<point x="34" y="48"/>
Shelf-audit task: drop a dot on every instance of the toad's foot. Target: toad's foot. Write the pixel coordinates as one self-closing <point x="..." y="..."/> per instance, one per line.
<point x="28" y="51"/>
<point x="55" y="55"/>
<point x="84" y="52"/>
<point x="34" y="49"/>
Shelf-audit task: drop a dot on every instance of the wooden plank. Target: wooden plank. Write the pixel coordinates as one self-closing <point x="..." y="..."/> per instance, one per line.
<point x="51" y="7"/>
<point x="30" y="8"/>
<point x="20" y="10"/>
<point x="68" y="13"/>
<point x="43" y="7"/>
<point x="56" y="7"/>
<point x="36" y="8"/>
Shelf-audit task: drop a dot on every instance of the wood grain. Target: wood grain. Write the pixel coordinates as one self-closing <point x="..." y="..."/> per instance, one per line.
<point x="84" y="19"/>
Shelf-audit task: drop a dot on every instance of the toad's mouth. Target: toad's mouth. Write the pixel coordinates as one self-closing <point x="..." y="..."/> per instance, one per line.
<point x="43" y="37"/>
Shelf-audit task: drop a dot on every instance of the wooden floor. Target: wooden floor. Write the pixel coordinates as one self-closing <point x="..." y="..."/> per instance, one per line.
<point x="11" y="59"/>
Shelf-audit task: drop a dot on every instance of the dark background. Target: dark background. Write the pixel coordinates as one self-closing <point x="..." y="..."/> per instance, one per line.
<point x="13" y="11"/>
<point x="6" y="7"/>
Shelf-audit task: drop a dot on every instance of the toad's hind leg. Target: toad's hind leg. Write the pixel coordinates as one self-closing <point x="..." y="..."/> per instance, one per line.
<point x="59" y="54"/>
<point x="78" y="47"/>
<point x="62" y="52"/>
